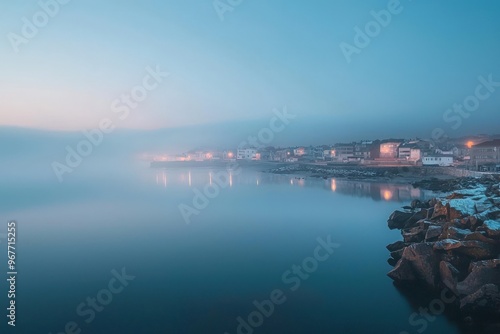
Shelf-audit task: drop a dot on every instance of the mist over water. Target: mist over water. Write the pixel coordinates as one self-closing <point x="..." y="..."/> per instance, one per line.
<point x="201" y="277"/>
<point x="92" y="92"/>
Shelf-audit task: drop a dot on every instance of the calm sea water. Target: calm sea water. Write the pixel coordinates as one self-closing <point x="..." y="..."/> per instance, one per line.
<point x="200" y="277"/>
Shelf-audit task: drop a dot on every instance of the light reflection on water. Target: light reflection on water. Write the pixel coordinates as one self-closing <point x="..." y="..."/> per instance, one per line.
<point x="208" y="273"/>
<point x="379" y="191"/>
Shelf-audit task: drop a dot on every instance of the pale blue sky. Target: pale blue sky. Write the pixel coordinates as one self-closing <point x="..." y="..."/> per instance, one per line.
<point x="265" y="54"/>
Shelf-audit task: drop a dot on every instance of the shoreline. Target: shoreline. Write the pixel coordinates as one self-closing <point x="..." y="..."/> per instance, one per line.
<point x="376" y="174"/>
<point x="437" y="179"/>
<point x="452" y="244"/>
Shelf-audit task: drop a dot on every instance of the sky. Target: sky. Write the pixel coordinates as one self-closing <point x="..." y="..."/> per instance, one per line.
<point x="262" y="55"/>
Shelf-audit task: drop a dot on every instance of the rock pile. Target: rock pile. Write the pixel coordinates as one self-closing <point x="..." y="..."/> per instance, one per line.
<point x="453" y="184"/>
<point x="453" y="243"/>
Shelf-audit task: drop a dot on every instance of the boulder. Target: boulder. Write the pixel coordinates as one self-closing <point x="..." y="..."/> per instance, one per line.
<point x="392" y="262"/>
<point x="449" y="276"/>
<point x="492" y="229"/>
<point x="485" y="301"/>
<point x="473" y="249"/>
<point x="416" y="234"/>
<point x="398" y="219"/>
<point x="481" y="273"/>
<point x="471" y="222"/>
<point x="482" y="207"/>
<point x="490" y="214"/>
<point x="480" y="236"/>
<point x="418" y="218"/>
<point x="450" y="232"/>
<point x="447" y="244"/>
<point x="440" y="211"/>
<point x="433" y="232"/>
<point x="396" y="246"/>
<point x="418" y="262"/>
<point x="459" y="208"/>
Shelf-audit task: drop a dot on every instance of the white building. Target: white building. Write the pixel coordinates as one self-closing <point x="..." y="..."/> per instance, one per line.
<point x="247" y="154"/>
<point x="415" y="154"/>
<point x="438" y="160"/>
<point x="298" y="152"/>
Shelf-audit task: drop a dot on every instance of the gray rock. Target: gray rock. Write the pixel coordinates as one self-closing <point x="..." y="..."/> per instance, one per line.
<point x="398" y="219"/>
<point x="396" y="246"/>
<point x="449" y="276"/>
<point x="450" y="232"/>
<point x="419" y="262"/>
<point x="480" y="236"/>
<point x="485" y="301"/>
<point x="492" y="228"/>
<point x="415" y="234"/>
<point x="473" y="249"/>
<point x="433" y="232"/>
<point x="481" y="273"/>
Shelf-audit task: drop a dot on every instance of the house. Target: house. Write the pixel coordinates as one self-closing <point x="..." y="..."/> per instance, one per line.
<point x="344" y="151"/>
<point x="362" y="150"/>
<point x="299" y="151"/>
<point x="415" y="154"/>
<point x="389" y="150"/>
<point x="486" y="156"/>
<point x="454" y="151"/>
<point x="404" y="150"/>
<point x="438" y="160"/>
<point x="247" y="154"/>
<point x="328" y="153"/>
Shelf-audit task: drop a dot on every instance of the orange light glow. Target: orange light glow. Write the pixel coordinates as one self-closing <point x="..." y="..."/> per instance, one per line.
<point x="470" y="144"/>
<point x="333" y="185"/>
<point x="387" y="194"/>
<point x="230" y="155"/>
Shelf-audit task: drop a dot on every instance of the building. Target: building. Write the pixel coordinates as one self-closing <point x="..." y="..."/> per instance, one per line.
<point x="344" y="151"/>
<point x="415" y="154"/>
<point x="389" y="150"/>
<point x="362" y="150"/>
<point x="404" y="151"/>
<point x="247" y="154"/>
<point x="438" y="160"/>
<point x="486" y="156"/>
<point x="299" y="151"/>
<point x="454" y="151"/>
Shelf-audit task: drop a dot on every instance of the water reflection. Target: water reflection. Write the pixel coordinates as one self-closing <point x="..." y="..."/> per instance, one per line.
<point x="200" y="177"/>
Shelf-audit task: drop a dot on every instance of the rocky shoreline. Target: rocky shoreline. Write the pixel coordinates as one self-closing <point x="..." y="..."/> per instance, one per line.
<point x="355" y="173"/>
<point x="453" y="244"/>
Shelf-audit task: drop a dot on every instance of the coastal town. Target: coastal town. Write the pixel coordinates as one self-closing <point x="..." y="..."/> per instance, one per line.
<point x="476" y="153"/>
